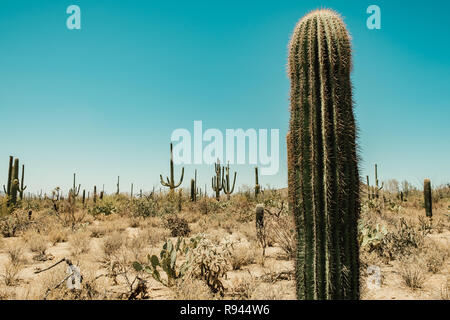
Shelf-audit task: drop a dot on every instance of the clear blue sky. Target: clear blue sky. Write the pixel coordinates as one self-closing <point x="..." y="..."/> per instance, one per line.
<point x="103" y="101"/>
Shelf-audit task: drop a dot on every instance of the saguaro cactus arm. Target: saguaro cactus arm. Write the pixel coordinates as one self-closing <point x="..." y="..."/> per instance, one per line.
<point x="227" y="188"/>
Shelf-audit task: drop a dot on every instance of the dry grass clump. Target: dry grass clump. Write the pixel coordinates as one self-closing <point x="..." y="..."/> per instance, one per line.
<point x="242" y="256"/>
<point x="113" y="243"/>
<point x="282" y="232"/>
<point x="58" y="235"/>
<point x="79" y="242"/>
<point x="435" y="256"/>
<point x="413" y="274"/>
<point x="445" y="290"/>
<point x="12" y="268"/>
<point x="243" y="288"/>
<point x="99" y="231"/>
<point x="189" y="288"/>
<point x="36" y="242"/>
<point x="154" y="236"/>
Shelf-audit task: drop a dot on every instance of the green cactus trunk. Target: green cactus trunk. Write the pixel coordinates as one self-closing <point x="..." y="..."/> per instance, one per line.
<point x="427" y="198"/>
<point x="8" y="183"/>
<point x="257" y="187"/>
<point x="322" y="159"/>
<point x="14" y="183"/>
<point x="217" y="181"/>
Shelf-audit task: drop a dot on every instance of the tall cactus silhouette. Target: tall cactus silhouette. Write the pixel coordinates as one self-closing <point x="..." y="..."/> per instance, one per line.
<point x="257" y="186"/>
<point x="427" y="198"/>
<point x="216" y="184"/>
<point x="171" y="183"/>
<point x="13" y="186"/>
<point x="226" y="183"/>
<point x="22" y="187"/>
<point x="322" y="159"/>
<point x="74" y="192"/>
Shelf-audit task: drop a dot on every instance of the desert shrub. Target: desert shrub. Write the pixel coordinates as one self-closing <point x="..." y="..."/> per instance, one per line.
<point x="413" y="275"/>
<point x="10" y="273"/>
<point x="208" y="205"/>
<point x="400" y="242"/>
<point x="242" y="256"/>
<point x="155" y="235"/>
<point x="370" y="237"/>
<point x="58" y="235"/>
<point x="113" y="243"/>
<point x="14" y="223"/>
<point x="103" y="207"/>
<point x="282" y="231"/>
<point x="79" y="242"/>
<point x="145" y="207"/>
<point x="12" y="268"/>
<point x="189" y="288"/>
<point x="244" y="288"/>
<point x="167" y="262"/>
<point x="178" y="226"/>
<point x="210" y="262"/>
<point x="36" y="242"/>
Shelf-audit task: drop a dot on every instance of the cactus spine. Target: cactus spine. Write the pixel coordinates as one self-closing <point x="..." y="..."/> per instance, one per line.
<point x="227" y="188"/>
<point x="427" y="198"/>
<point x="171" y="183"/>
<point x="322" y="159"/>
<point x="257" y="187"/>
<point x="218" y="179"/>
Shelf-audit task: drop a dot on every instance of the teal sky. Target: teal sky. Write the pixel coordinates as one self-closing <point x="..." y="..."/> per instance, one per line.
<point x="103" y="101"/>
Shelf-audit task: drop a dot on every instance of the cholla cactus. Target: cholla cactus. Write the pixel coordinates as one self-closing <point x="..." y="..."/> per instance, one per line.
<point x="322" y="159"/>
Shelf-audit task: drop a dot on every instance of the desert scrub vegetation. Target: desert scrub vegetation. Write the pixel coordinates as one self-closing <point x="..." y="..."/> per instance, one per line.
<point x="165" y="245"/>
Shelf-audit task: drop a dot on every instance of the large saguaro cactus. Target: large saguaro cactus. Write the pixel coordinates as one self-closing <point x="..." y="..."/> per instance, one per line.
<point x="322" y="159"/>
<point x="171" y="183"/>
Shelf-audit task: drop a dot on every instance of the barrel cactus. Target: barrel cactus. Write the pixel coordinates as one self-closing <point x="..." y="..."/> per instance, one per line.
<point x="322" y="159"/>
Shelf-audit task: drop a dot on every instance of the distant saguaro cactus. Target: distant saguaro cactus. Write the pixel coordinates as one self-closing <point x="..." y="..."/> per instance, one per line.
<point x="95" y="194"/>
<point x="260" y="227"/>
<point x="257" y="186"/>
<point x="118" y="185"/>
<point x="427" y="198"/>
<point x="218" y="179"/>
<point x="74" y="192"/>
<point x="226" y="183"/>
<point x="22" y="187"/>
<point x="322" y="159"/>
<point x="171" y="183"/>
